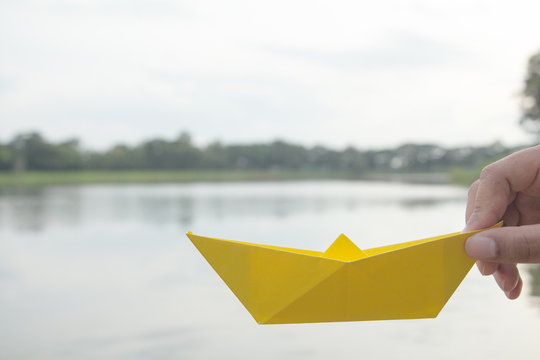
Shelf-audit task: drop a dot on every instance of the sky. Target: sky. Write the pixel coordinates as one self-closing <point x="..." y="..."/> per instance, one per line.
<point x="370" y="74"/>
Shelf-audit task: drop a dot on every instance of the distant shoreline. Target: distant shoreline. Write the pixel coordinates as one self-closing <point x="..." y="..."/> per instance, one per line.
<point x="41" y="178"/>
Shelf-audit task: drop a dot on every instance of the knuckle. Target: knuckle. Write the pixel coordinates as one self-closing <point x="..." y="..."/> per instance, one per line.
<point x="489" y="170"/>
<point x="473" y="188"/>
<point x="522" y="248"/>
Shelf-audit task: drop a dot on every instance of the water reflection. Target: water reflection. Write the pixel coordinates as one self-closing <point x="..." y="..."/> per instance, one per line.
<point x="33" y="209"/>
<point x="186" y="206"/>
<point x="423" y="203"/>
<point x="170" y="343"/>
<point x="534" y="272"/>
<point x="96" y="272"/>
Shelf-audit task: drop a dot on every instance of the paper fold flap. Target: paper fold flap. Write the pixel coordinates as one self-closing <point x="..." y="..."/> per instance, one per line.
<point x="344" y="249"/>
<point x="279" y="285"/>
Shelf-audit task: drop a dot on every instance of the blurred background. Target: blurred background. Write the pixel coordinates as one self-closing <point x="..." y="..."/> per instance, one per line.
<point x="125" y="124"/>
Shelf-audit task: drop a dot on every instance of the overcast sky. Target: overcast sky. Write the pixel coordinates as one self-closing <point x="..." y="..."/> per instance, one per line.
<point x="337" y="73"/>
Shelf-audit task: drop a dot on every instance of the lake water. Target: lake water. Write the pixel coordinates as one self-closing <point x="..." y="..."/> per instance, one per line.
<point x="106" y="272"/>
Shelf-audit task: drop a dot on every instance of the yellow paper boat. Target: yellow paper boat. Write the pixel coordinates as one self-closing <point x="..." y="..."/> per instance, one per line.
<point x="280" y="285"/>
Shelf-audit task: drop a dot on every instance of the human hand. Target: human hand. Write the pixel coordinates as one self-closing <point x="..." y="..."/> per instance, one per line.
<point x="507" y="190"/>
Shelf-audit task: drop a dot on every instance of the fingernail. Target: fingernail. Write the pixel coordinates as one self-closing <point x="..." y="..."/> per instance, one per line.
<point x="482" y="268"/>
<point x="481" y="247"/>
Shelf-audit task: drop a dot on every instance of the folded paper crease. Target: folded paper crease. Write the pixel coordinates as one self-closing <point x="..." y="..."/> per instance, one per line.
<point x="279" y="285"/>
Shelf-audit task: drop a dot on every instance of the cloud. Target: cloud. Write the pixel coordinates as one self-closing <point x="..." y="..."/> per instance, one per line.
<point x="398" y="50"/>
<point x="110" y="71"/>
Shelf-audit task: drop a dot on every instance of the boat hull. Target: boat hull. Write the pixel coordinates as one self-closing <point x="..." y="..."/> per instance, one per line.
<point x="280" y="285"/>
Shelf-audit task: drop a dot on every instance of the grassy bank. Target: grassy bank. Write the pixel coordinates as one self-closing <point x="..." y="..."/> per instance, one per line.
<point x="35" y="178"/>
<point x="464" y="177"/>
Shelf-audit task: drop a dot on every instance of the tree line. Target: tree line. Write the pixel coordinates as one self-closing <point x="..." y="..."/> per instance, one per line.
<point x="31" y="151"/>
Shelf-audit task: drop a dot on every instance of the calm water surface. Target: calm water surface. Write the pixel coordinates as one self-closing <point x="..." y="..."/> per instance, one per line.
<point x="106" y="272"/>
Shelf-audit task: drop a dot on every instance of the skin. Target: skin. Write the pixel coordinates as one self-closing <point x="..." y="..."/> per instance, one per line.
<point x="507" y="190"/>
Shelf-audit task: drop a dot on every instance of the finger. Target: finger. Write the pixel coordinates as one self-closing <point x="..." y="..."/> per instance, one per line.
<point x="507" y="277"/>
<point x="487" y="267"/>
<point x="514" y="294"/>
<point x="491" y="199"/>
<point x="512" y="217"/>
<point x="507" y="245"/>
<point x="471" y="199"/>
<point x="498" y="183"/>
<point x="532" y="204"/>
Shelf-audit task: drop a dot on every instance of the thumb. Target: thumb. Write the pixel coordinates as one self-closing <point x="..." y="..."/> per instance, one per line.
<point x="513" y="244"/>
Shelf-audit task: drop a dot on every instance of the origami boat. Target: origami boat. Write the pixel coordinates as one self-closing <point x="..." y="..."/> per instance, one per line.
<point x="280" y="285"/>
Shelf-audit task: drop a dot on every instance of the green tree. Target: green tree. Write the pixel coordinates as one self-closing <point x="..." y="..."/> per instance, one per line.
<point x="530" y="106"/>
<point x="215" y="156"/>
<point x="121" y="157"/>
<point x="33" y="152"/>
<point x="6" y="158"/>
<point x="187" y="155"/>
